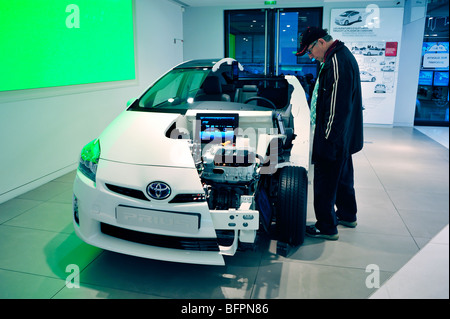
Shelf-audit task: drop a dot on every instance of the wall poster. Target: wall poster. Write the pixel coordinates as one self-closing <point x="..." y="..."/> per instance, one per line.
<point x="373" y="35"/>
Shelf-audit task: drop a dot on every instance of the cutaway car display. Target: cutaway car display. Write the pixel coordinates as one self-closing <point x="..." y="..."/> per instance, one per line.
<point x="196" y="166"/>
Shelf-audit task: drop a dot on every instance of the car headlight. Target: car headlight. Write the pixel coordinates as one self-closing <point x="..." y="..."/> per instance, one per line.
<point x="90" y="154"/>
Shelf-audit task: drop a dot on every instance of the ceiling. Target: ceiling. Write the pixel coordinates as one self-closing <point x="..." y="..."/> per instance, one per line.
<point x="435" y="7"/>
<point x="280" y="3"/>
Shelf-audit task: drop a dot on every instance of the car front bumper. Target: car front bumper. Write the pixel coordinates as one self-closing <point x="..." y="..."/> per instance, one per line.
<point x="116" y="214"/>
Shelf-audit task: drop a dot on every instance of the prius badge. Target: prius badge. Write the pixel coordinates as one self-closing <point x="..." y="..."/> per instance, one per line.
<point x="158" y="190"/>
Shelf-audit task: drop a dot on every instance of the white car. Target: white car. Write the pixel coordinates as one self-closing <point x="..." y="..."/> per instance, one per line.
<point x="373" y="51"/>
<point x="348" y="17"/>
<point x="197" y="165"/>
<point x="366" y="76"/>
<point x="379" y="88"/>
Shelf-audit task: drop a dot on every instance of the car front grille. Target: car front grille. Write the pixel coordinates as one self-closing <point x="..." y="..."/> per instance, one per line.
<point x="130" y="192"/>
<point x="135" y="193"/>
<point x="183" y="243"/>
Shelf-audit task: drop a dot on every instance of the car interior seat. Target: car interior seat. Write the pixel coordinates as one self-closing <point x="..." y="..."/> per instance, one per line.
<point x="212" y="91"/>
<point x="247" y="91"/>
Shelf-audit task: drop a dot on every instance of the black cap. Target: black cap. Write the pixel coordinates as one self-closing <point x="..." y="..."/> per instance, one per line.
<point x="310" y="35"/>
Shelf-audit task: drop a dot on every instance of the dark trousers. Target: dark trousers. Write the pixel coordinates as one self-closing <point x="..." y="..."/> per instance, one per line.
<point x="334" y="186"/>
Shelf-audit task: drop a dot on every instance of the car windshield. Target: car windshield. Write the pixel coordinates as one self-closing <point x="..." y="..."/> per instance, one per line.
<point x="177" y="87"/>
<point x="346" y="14"/>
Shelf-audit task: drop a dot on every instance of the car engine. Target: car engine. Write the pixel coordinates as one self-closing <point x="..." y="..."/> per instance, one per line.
<point x="227" y="172"/>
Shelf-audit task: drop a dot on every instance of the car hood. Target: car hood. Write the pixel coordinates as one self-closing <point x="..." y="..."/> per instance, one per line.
<point x="139" y="138"/>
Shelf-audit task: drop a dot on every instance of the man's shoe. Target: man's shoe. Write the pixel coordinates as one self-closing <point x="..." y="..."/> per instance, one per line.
<point x="347" y="224"/>
<point x="312" y="231"/>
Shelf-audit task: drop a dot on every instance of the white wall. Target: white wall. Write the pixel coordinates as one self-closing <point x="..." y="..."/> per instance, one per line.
<point x="41" y="138"/>
<point x="203" y="32"/>
<point x="208" y="42"/>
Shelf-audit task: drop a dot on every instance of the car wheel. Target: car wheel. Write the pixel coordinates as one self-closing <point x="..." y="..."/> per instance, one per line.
<point x="291" y="205"/>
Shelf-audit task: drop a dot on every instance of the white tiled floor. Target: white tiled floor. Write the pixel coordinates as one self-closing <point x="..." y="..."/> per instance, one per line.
<point x="402" y="186"/>
<point x="439" y="134"/>
<point x="426" y="275"/>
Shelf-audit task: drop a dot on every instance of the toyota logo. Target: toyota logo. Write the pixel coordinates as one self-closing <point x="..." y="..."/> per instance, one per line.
<point x="158" y="190"/>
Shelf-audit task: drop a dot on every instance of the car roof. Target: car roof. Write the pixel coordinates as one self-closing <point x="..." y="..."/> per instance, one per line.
<point x="203" y="63"/>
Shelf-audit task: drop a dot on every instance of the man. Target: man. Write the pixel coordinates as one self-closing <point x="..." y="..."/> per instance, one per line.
<point x="336" y="117"/>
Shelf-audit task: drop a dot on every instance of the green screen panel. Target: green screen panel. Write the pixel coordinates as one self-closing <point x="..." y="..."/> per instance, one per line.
<point x="47" y="43"/>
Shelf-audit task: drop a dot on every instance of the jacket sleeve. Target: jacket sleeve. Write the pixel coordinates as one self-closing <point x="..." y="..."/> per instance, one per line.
<point x="338" y="102"/>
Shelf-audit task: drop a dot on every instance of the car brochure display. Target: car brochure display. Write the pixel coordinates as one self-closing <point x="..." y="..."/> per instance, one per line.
<point x="373" y="35"/>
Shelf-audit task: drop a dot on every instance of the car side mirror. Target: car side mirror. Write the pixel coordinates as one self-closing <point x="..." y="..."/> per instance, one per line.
<point x="131" y="101"/>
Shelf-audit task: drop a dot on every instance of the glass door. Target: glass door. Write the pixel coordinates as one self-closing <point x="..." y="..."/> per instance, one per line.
<point x="292" y="22"/>
<point x="432" y="102"/>
<point x="246" y="39"/>
<point x="265" y="41"/>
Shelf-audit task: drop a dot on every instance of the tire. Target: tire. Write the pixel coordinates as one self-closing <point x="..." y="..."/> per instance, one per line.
<point x="291" y="205"/>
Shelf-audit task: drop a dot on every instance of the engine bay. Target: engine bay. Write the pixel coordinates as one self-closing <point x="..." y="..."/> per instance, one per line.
<point x="227" y="172"/>
<point x="229" y="153"/>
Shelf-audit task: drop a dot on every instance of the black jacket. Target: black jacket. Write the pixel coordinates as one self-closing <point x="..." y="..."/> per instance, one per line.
<point x="339" y="118"/>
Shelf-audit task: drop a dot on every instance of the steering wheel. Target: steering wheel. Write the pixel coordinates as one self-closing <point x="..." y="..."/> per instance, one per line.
<point x="262" y="99"/>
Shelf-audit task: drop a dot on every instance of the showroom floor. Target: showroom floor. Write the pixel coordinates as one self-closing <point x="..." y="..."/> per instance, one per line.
<point x="402" y="185"/>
